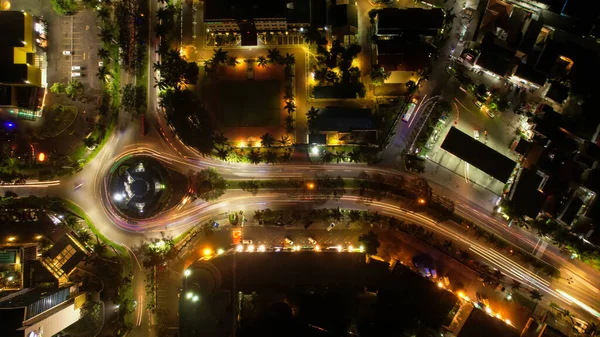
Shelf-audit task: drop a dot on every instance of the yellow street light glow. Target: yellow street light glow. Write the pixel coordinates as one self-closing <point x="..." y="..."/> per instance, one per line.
<point x="350" y="248"/>
<point x="257" y="144"/>
<point x="317" y="248"/>
<point x="250" y="248"/>
<point x="220" y="251"/>
<point x="310" y="186"/>
<point x="261" y="248"/>
<point x="12" y="238"/>
<point x="440" y="284"/>
<point x="507" y="321"/>
<point x="361" y="248"/>
<point x="242" y="144"/>
<point x="187" y="272"/>
<point x="207" y="251"/>
<point x="189" y="295"/>
<point x="488" y="310"/>
<point x="339" y="248"/>
<point x="239" y="248"/>
<point x="498" y="316"/>
<point x="421" y="201"/>
<point x="38" y="237"/>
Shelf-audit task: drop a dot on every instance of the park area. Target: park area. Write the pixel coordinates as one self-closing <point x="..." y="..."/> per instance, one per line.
<point x="246" y="103"/>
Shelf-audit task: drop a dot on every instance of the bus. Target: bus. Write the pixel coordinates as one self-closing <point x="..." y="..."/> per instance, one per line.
<point x="410" y="109"/>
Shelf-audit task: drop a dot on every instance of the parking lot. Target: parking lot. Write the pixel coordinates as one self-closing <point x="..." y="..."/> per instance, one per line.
<point x="79" y="35"/>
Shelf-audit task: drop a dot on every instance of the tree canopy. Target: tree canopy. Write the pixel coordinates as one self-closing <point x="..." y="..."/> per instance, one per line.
<point x="370" y="241"/>
<point x="209" y="184"/>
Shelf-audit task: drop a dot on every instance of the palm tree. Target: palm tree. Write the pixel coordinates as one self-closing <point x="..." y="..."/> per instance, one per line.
<point x="355" y="156"/>
<point x="271" y="157"/>
<point x="220" y="139"/>
<point x="497" y="274"/>
<point x="103" y="53"/>
<point x="340" y="156"/>
<point x="326" y="157"/>
<point x="289" y="59"/>
<point x="535" y="295"/>
<point x="254" y="157"/>
<point x="287" y="156"/>
<point x="262" y="61"/>
<point x="515" y="285"/>
<point x="274" y="55"/>
<point x="102" y="73"/>
<point x="290" y="106"/>
<point x="232" y="61"/>
<point x="284" y="140"/>
<point x="220" y="56"/>
<point x="100" y="247"/>
<point x="71" y="222"/>
<point x="103" y="13"/>
<point x="311" y="117"/>
<point x="288" y="96"/>
<point x="222" y="153"/>
<point x="84" y="236"/>
<point x="106" y="36"/>
<point x="267" y="140"/>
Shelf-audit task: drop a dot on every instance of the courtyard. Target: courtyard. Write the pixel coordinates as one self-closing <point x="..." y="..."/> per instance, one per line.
<point x="245" y="101"/>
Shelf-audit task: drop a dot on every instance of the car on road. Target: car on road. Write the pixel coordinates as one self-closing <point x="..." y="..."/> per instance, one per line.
<point x="76" y="68"/>
<point x="312" y="240"/>
<point x="78" y="186"/>
<point x="67" y="52"/>
<point x="246" y="242"/>
<point x="75" y="74"/>
<point x="288" y="241"/>
<point x="101" y="64"/>
<point x="478" y="103"/>
<point x="330" y="227"/>
<point x="476" y="134"/>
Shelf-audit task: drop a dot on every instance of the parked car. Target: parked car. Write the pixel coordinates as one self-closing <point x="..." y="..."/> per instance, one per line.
<point x="246" y="242"/>
<point x="331" y="225"/>
<point x="312" y="240"/>
<point x="76" y="68"/>
<point x="67" y="52"/>
<point x="288" y="241"/>
<point x="101" y="64"/>
<point x="75" y="74"/>
<point x="476" y="134"/>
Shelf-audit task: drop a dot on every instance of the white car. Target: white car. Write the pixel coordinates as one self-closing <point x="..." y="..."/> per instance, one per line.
<point x="75" y="74"/>
<point x="76" y="68"/>
<point x="288" y="241"/>
<point x="67" y="52"/>
<point x="331" y="225"/>
<point x="246" y="242"/>
<point x="476" y="134"/>
<point x="312" y="240"/>
<point x="101" y="64"/>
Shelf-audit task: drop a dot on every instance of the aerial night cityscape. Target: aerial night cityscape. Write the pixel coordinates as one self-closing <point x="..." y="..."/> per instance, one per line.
<point x="314" y="168"/>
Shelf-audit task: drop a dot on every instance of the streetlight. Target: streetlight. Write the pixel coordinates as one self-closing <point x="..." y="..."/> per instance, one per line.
<point x="314" y="150"/>
<point x="310" y="186"/>
<point x="421" y="201"/>
<point x="207" y="251"/>
<point x="189" y="295"/>
<point x="220" y="251"/>
<point x="187" y="272"/>
<point x="195" y="298"/>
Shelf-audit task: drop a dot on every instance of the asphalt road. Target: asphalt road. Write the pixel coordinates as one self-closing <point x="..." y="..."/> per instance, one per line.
<point x="127" y="140"/>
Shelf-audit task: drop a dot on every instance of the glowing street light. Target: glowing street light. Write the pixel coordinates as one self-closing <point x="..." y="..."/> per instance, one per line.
<point x="310" y="186"/>
<point x="220" y="251"/>
<point x="118" y="197"/>
<point x="239" y="248"/>
<point x="339" y="248"/>
<point x="250" y="248"/>
<point x="12" y="238"/>
<point x="207" y="252"/>
<point x="317" y="248"/>
<point x="361" y="248"/>
<point x="189" y="295"/>
<point x="440" y="284"/>
<point x="261" y="248"/>
<point x="195" y="298"/>
<point x="314" y="150"/>
<point x="350" y="248"/>
<point x="187" y="272"/>
<point x="421" y="201"/>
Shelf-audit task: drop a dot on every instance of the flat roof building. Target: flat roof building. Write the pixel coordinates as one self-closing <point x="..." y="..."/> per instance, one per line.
<point x="416" y="21"/>
<point x="478" y="154"/>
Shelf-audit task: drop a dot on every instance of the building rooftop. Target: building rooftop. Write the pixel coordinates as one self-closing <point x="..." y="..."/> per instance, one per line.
<point x="28" y="296"/>
<point x="478" y="154"/>
<point x="340" y="119"/>
<point x="558" y="92"/>
<point x="403" y="55"/>
<point x="394" y="21"/>
<point x="12" y="25"/>
<point x="242" y="9"/>
<point x="480" y="324"/>
<point x="528" y="73"/>
<point x="527" y="199"/>
<point x="343" y="16"/>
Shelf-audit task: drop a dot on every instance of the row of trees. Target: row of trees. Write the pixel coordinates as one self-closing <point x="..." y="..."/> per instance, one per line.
<point x="73" y="89"/>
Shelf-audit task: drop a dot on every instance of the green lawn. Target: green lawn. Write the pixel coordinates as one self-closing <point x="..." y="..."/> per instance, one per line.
<point x="248" y="103"/>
